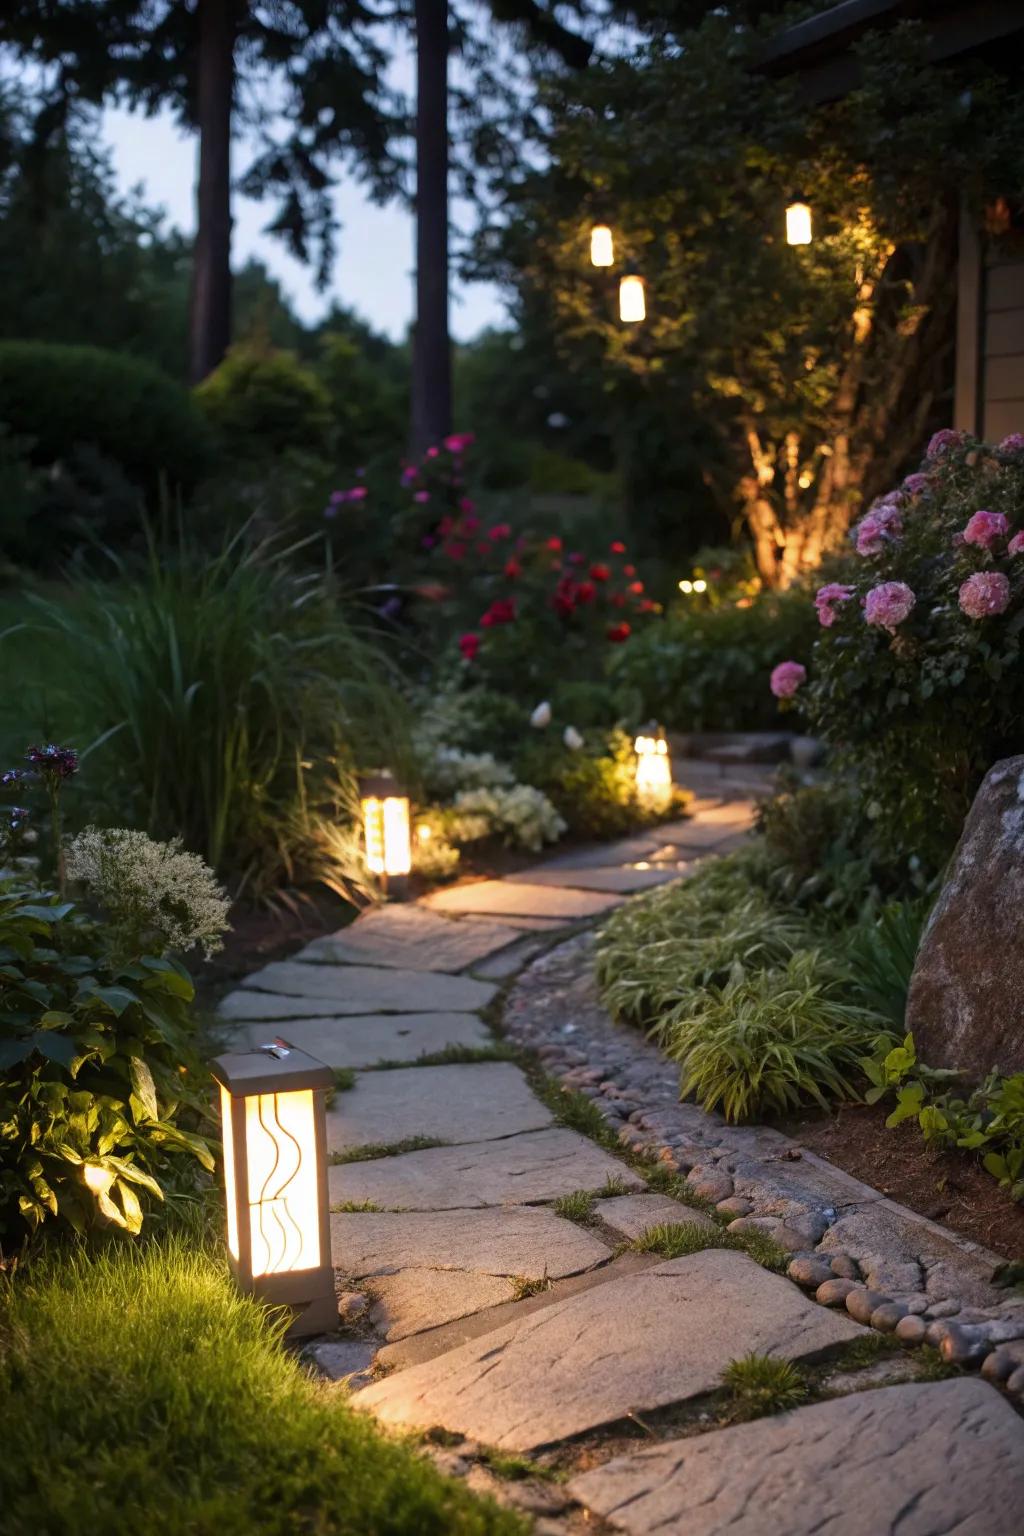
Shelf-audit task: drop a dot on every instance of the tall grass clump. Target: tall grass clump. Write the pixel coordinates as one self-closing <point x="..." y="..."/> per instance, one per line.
<point x="233" y="696"/>
<point x="135" y="1377"/>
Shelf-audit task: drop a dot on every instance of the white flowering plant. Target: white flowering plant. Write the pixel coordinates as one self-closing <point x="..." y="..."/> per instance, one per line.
<point x="520" y="815"/>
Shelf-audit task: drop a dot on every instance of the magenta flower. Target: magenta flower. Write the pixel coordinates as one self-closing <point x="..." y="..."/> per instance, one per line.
<point x="944" y="442"/>
<point x="410" y="475"/>
<point x="1016" y="544"/>
<point x="467" y="504"/>
<point x="422" y="497"/>
<point x="881" y="526"/>
<point x="917" y="485"/>
<point x="888" y="604"/>
<point x="825" y="601"/>
<point x="433" y="453"/>
<point x="499" y="531"/>
<point x="985" y="529"/>
<point x="458" y="442"/>
<point x="786" y="678"/>
<point x="984" y="594"/>
<point x="1012" y="444"/>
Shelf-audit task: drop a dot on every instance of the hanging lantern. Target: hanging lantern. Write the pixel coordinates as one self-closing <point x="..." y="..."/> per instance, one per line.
<point x="798" y="223"/>
<point x="653" y="769"/>
<point x="602" y="246"/>
<point x="632" y="299"/>
<point x="273" y="1120"/>
<point x="385" y="807"/>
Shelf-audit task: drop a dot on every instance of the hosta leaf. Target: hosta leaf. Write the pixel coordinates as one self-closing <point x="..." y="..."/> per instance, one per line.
<point x="144" y="1088"/>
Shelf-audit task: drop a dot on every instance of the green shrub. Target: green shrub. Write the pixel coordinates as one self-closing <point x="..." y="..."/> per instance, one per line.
<point x="69" y="401"/>
<point x="816" y="836"/>
<point x="592" y="788"/>
<point x="881" y="951"/>
<point x="262" y="403"/>
<point x="236" y="699"/>
<point x="707" y="669"/>
<point x="137" y="1377"/>
<point x="92" y="1055"/>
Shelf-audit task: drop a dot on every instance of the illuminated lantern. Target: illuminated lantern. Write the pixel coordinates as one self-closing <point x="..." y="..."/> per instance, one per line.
<point x="385" y="807"/>
<point x="686" y="587"/>
<point x="653" y="770"/>
<point x="632" y="299"/>
<point x="798" y="223"/>
<point x="273" y="1120"/>
<point x="602" y="246"/>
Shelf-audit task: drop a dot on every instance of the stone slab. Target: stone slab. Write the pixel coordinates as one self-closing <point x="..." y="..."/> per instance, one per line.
<point x="605" y="855"/>
<point x="364" y="989"/>
<point x="540" y="1165"/>
<point x="518" y="920"/>
<point x="501" y="897"/>
<point x="916" y="1460"/>
<point x="622" y="880"/>
<point x="417" y="1299"/>
<point x="526" y="1241"/>
<point x="365" y="1040"/>
<point x="635" y="1344"/>
<point x="632" y="1215"/>
<point x="454" y="1104"/>
<point x="410" y="938"/>
<point x="699" y="834"/>
<point x="508" y="961"/>
<point x="345" y="1360"/>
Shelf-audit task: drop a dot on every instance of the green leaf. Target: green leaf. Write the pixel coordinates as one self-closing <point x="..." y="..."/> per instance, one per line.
<point x="144" y="1087"/>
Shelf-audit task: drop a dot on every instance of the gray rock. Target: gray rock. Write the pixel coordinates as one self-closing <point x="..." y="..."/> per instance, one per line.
<point x="734" y="1207"/>
<point x="631" y="1215"/>
<point x="886" y="1317"/>
<point x="946" y="1308"/>
<point x="844" y="1267"/>
<point x="501" y="898"/>
<point x="911" y="1329"/>
<point x="624" y="880"/>
<point x="1000" y="1364"/>
<point x="1015" y="1382"/>
<point x="936" y="1332"/>
<point x="593" y="1357"/>
<point x="361" y="1040"/>
<point x="709" y="1183"/>
<point x="478" y="1102"/>
<point x="961" y="1346"/>
<point x="964" y="1002"/>
<point x="792" y="1239"/>
<point x="412" y="938"/>
<point x="920" y="1458"/>
<point x="352" y="1305"/>
<point x="530" y="1241"/>
<point x="833" y="1293"/>
<point x="809" y="1272"/>
<point x="539" y="1165"/>
<point x="861" y="1303"/>
<point x="289" y="989"/>
<point x="415" y="1299"/>
<point x="347" y="1360"/>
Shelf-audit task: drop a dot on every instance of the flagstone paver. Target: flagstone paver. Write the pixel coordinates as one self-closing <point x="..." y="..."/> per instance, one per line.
<point x="410" y="938"/>
<point x="620" y="880"/>
<point x="632" y="1215"/>
<point x="501" y="897"/>
<point x="417" y="1299"/>
<point x="526" y="1241"/>
<point x="454" y="1104"/>
<point x="365" y="1040"/>
<point x="607" y="855"/>
<point x="632" y="1345"/>
<point x="540" y="1165"/>
<point x="917" y="1460"/>
<point x="366" y="989"/>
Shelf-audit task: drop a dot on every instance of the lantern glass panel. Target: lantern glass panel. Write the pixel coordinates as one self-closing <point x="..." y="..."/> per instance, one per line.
<point x="388" y="843"/>
<point x="284" y="1204"/>
<point x="632" y="300"/>
<point x="798" y="224"/>
<point x="602" y="246"/>
<point x="230" y="1177"/>
<point x="653" y="771"/>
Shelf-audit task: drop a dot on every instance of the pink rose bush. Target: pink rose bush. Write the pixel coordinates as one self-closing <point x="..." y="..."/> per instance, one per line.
<point x="786" y="678"/>
<point x="985" y="593"/>
<point x="827" y="599"/>
<point x="986" y="529"/>
<point x="888" y="605"/>
<point x="882" y="525"/>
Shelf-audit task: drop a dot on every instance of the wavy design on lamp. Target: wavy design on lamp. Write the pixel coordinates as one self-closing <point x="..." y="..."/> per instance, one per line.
<point x="275" y="1224"/>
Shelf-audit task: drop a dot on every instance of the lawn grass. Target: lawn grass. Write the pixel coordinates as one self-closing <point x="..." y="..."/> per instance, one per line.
<point x="136" y="1385"/>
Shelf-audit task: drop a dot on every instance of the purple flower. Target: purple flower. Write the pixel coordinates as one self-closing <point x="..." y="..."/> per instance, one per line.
<point x="944" y="442"/>
<point x="985" y="593"/>
<point x="881" y="526"/>
<point x="421" y="497"/>
<point x="12" y="776"/>
<point x="786" y="678"/>
<point x="917" y="485"/>
<point x="825" y="601"/>
<point x="888" y="604"/>
<point x="53" y="762"/>
<point x="410" y="475"/>
<point x="1016" y="544"/>
<point x="16" y="817"/>
<point x="985" y="529"/>
<point x="1012" y="444"/>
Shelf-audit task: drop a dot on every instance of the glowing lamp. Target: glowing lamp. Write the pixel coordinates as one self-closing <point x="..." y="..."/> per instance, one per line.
<point x="385" y="807"/>
<point x="273" y="1120"/>
<point x="632" y="298"/>
<point x="686" y="587"/>
<point x="653" y="770"/>
<point x="798" y="223"/>
<point x="602" y="246"/>
<point x="700" y="585"/>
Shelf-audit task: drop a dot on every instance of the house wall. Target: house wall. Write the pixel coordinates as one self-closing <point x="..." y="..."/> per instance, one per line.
<point x="989" y="400"/>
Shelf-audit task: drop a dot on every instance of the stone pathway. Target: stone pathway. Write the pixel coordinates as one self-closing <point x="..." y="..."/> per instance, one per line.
<point x="481" y="1246"/>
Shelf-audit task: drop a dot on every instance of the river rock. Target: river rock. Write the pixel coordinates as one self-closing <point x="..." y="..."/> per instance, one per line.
<point x="964" y="1004"/>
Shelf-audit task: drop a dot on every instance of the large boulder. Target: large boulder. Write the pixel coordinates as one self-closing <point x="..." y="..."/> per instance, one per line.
<point x="966" y="1003"/>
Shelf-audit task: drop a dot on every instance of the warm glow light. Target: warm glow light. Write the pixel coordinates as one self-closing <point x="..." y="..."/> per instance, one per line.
<point x="798" y="224"/>
<point x="805" y="480"/>
<point x="700" y="585"/>
<point x="653" y="772"/>
<point x="386" y="827"/>
<point x="423" y="832"/>
<point x="230" y="1188"/>
<point x="602" y="247"/>
<point x="632" y="300"/>
<point x="280" y="1139"/>
<point x="686" y="586"/>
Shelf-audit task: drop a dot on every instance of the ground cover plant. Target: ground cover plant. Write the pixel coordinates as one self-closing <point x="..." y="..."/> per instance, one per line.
<point x="134" y="1376"/>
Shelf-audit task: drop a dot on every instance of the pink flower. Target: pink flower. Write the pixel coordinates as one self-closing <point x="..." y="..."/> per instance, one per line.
<point x="944" y="442"/>
<point x="825" y="600"/>
<point x="458" y="442"/>
<point x="467" y="504"/>
<point x="498" y="532"/>
<point x="410" y="475"/>
<point x="985" y="529"/>
<point x="421" y="497"/>
<point x="1012" y="444"/>
<point x="432" y="453"/>
<point x="881" y="526"/>
<point x="984" y="593"/>
<point x="917" y="485"/>
<point x="786" y="678"/>
<point x="501" y="611"/>
<point x="469" y="645"/>
<point x="889" y="604"/>
<point x="1016" y="544"/>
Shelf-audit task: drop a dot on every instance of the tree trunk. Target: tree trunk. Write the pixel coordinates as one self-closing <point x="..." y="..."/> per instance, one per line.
<point x="210" y="304"/>
<point x="431" y="350"/>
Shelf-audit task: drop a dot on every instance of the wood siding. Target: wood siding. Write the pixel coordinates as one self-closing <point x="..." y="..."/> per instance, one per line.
<point x="990" y="340"/>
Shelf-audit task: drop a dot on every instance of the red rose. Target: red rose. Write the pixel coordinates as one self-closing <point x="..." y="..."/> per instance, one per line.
<point x="554" y="543"/>
<point x="469" y="645"/>
<point x="629" y="570"/>
<point x="586" y="592"/>
<point x="618" y="633"/>
<point x="512" y="569"/>
<point x="501" y="611"/>
<point x="618" y="548"/>
<point x="600" y="573"/>
<point x="636" y="587"/>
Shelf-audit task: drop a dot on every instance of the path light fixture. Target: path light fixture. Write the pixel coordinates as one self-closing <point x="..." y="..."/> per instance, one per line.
<point x="653" y="769"/>
<point x="602" y="246"/>
<point x="798" y="222"/>
<point x="385" y="807"/>
<point x="632" y="298"/>
<point x="273" y="1121"/>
